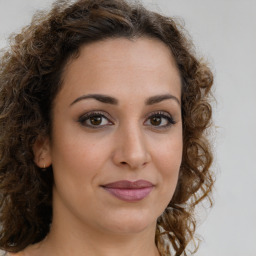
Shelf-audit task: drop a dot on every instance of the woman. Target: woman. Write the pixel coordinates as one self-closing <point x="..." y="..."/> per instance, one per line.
<point x="104" y="109"/>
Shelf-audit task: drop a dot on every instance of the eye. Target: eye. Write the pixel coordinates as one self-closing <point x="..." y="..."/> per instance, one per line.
<point x="95" y="120"/>
<point x="160" y="120"/>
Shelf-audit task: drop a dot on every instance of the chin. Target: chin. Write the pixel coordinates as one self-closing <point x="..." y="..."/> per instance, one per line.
<point x="131" y="223"/>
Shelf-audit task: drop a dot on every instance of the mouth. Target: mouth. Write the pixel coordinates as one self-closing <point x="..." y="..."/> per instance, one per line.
<point x="129" y="191"/>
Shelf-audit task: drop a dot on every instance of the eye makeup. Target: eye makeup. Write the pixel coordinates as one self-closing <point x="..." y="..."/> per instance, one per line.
<point x="95" y="119"/>
<point x="98" y="119"/>
<point x="159" y="120"/>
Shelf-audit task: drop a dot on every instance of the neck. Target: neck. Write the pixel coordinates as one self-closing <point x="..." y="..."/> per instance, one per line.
<point x="70" y="236"/>
<point x="86" y="242"/>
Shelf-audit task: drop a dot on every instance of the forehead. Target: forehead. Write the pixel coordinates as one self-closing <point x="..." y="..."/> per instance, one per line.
<point x="122" y="64"/>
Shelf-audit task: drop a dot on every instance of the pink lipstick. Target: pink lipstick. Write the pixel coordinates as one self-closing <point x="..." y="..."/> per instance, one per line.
<point x="128" y="190"/>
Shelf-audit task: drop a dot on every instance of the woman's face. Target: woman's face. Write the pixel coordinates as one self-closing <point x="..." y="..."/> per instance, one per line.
<point x="116" y="144"/>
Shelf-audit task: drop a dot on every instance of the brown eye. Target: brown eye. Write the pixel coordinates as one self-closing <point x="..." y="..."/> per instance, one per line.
<point x="160" y="120"/>
<point x="155" y="121"/>
<point x="95" y="120"/>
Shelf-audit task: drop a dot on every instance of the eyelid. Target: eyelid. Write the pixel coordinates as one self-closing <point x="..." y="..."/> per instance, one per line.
<point x="82" y="118"/>
<point x="163" y="114"/>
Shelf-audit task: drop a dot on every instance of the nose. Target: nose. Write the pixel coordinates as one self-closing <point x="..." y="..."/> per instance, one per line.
<point x="131" y="149"/>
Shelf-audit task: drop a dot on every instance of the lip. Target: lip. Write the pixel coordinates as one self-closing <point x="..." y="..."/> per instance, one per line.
<point x="130" y="191"/>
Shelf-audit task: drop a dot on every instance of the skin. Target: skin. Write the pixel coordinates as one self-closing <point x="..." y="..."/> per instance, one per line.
<point x="126" y="145"/>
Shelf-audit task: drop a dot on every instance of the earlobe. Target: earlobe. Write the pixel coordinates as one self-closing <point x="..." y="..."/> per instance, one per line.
<point x="42" y="152"/>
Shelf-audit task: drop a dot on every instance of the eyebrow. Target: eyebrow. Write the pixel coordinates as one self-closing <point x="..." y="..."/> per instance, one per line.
<point x="158" y="98"/>
<point x="110" y="100"/>
<point x="99" y="97"/>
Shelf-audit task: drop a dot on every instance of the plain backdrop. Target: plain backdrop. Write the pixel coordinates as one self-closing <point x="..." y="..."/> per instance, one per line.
<point x="224" y="32"/>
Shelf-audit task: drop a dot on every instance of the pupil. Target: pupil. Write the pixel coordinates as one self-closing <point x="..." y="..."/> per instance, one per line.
<point x="96" y="120"/>
<point x="155" y="121"/>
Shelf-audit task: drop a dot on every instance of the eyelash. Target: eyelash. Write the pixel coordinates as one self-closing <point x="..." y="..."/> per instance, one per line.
<point x="82" y="119"/>
<point x="163" y="115"/>
<point x="103" y="115"/>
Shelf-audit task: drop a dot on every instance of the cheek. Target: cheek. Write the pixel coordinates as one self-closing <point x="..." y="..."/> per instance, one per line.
<point x="168" y="161"/>
<point x="169" y="166"/>
<point x="76" y="157"/>
<point x="77" y="164"/>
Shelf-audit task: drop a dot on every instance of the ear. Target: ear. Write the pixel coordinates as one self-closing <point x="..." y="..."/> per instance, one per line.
<point x="42" y="152"/>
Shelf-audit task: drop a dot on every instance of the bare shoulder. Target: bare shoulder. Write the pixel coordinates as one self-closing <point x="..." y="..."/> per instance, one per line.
<point x="31" y="250"/>
<point x="13" y="254"/>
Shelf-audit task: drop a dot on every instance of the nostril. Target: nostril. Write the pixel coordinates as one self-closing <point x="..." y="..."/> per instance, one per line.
<point x="123" y="163"/>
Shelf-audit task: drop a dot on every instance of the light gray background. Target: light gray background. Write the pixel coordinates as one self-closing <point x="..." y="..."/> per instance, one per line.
<point x="224" y="31"/>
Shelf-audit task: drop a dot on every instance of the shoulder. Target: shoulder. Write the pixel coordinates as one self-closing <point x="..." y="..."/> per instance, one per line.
<point x="12" y="254"/>
<point x="31" y="250"/>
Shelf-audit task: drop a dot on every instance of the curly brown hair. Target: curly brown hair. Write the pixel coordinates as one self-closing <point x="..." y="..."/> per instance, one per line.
<point x="30" y="78"/>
